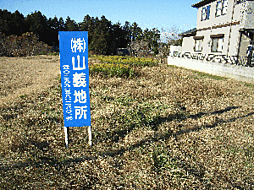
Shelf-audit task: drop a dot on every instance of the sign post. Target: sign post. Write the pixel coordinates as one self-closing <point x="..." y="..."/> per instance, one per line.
<point x="75" y="80"/>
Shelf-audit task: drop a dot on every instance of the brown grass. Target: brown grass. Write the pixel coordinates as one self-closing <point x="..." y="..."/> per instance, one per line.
<point x="168" y="128"/>
<point x="23" y="76"/>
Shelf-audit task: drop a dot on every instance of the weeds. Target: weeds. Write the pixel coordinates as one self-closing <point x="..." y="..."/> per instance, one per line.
<point x="118" y="70"/>
<point x="206" y="75"/>
<point x="127" y="60"/>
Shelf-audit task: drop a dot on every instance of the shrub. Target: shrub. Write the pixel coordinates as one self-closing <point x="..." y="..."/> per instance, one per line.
<point x="26" y="45"/>
<point x="110" y="69"/>
<point x="127" y="60"/>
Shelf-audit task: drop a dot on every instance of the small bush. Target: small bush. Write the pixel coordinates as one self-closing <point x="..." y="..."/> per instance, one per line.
<point x="127" y="60"/>
<point x="26" y="45"/>
<point x="118" y="70"/>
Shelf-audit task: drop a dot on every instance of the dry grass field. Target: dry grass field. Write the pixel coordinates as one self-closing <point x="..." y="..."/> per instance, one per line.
<point x="163" y="128"/>
<point x="19" y="76"/>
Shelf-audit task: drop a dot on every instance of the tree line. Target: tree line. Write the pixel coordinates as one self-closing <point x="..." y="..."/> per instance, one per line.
<point x="104" y="36"/>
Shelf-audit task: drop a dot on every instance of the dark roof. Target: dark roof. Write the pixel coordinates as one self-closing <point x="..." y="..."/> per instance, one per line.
<point x="202" y="3"/>
<point x="191" y="32"/>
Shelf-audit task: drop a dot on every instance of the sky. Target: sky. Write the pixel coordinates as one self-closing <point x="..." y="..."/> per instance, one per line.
<point x="150" y="14"/>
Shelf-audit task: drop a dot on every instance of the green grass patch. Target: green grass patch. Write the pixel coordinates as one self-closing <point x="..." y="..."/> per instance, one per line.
<point x="110" y="69"/>
<point x="206" y="75"/>
<point x="249" y="85"/>
<point x="127" y="60"/>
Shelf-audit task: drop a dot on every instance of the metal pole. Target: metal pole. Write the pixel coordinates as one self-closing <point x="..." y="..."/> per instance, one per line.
<point x="90" y="135"/>
<point x="66" y="136"/>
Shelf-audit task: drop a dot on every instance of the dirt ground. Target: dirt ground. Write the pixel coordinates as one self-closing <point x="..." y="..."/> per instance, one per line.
<point x="24" y="76"/>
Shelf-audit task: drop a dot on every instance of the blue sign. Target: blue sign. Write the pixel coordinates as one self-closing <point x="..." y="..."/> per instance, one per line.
<point x="75" y="78"/>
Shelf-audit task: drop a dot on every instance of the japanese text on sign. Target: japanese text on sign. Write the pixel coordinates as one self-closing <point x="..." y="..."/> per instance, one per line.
<point x="75" y="78"/>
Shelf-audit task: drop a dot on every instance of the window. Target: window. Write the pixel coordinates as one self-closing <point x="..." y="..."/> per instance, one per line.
<point x="217" y="43"/>
<point x="218" y="8"/>
<point x="240" y="1"/>
<point x="221" y="8"/>
<point x="224" y="7"/>
<point x="198" y="45"/>
<point x="205" y="13"/>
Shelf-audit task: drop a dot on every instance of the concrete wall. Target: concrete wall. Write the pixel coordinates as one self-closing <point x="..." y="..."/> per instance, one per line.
<point x="188" y="44"/>
<point x="175" y="49"/>
<point x="241" y="73"/>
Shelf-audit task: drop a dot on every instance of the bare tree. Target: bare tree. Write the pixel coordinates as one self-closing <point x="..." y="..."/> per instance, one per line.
<point x="169" y="36"/>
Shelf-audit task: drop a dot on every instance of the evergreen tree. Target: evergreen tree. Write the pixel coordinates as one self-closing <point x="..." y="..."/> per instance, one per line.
<point x="38" y="24"/>
<point x="136" y="32"/>
<point x="12" y="23"/>
<point x="70" y="25"/>
<point x="104" y="37"/>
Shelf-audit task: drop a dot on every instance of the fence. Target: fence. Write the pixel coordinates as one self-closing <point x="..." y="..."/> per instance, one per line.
<point x="227" y="66"/>
<point x="235" y="60"/>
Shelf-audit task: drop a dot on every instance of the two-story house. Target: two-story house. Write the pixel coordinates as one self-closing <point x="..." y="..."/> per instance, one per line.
<point x="224" y="27"/>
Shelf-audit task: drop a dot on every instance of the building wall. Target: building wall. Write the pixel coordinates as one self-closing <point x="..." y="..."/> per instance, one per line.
<point x="188" y="44"/>
<point x="231" y="39"/>
<point x="174" y="49"/>
<point x="245" y="41"/>
<point x="228" y="24"/>
<point x="238" y="17"/>
<point x="248" y="15"/>
<point x="233" y="43"/>
<point x="213" y="20"/>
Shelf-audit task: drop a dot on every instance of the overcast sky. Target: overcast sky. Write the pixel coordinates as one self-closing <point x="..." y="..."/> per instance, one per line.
<point x="147" y="13"/>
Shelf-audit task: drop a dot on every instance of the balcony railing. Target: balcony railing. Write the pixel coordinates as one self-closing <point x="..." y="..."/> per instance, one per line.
<point x="234" y="60"/>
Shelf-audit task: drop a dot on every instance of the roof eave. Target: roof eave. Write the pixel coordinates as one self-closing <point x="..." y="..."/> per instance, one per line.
<point x="201" y="3"/>
<point x="191" y="32"/>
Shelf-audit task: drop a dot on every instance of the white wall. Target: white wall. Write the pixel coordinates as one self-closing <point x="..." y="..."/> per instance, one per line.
<point x="175" y="49"/>
<point x="249" y="22"/>
<point x="213" y="20"/>
<point x="241" y="73"/>
<point x="188" y="44"/>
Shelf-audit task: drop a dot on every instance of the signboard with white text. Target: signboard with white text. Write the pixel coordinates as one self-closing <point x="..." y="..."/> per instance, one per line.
<point x="73" y="47"/>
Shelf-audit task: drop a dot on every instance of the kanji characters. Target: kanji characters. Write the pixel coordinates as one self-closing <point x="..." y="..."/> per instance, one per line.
<point x="67" y="91"/>
<point x="67" y="94"/>
<point x="78" y="44"/>
<point x="75" y="78"/>
<point x="78" y="65"/>
<point x="80" y="96"/>
<point x="80" y="112"/>
<point x="79" y="80"/>
<point x="67" y="82"/>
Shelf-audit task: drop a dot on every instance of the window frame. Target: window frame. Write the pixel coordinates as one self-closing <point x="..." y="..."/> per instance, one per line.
<point x="224" y="7"/>
<point x="205" y="13"/>
<point x="221" y="8"/>
<point x="218" y="8"/>
<point x="198" y="45"/>
<point x="219" y="40"/>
